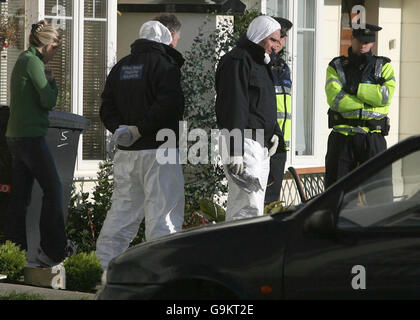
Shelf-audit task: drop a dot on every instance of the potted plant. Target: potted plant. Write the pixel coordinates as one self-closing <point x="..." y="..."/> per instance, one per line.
<point x="8" y="31"/>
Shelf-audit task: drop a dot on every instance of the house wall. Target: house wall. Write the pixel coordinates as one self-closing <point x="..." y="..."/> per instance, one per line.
<point x="410" y="69"/>
<point x="389" y="45"/>
<point x="129" y="26"/>
<point x="252" y="4"/>
<point x="330" y="44"/>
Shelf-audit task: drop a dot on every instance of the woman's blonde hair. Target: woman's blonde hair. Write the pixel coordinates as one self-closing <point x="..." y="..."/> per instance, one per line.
<point x="43" y="34"/>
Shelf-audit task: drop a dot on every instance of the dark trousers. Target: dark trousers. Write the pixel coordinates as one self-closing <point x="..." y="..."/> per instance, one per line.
<point x="345" y="153"/>
<point x="275" y="177"/>
<point x="31" y="159"/>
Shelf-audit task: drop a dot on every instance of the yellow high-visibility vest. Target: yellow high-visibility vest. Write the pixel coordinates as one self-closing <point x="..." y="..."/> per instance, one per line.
<point x="374" y="93"/>
<point x="283" y="86"/>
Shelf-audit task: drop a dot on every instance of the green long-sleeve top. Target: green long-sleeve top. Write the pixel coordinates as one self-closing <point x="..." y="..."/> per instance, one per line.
<point x="32" y="96"/>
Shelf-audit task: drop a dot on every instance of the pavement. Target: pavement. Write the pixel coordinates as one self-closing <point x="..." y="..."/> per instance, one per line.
<point x="45" y="293"/>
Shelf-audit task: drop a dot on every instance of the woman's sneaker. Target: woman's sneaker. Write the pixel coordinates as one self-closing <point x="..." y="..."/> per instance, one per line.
<point x="45" y="261"/>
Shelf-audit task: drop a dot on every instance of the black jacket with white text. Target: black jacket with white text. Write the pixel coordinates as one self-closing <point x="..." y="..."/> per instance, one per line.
<point x="144" y="89"/>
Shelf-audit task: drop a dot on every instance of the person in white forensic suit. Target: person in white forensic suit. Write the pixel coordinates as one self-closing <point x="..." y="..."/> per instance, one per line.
<point x="143" y="95"/>
<point x="246" y="103"/>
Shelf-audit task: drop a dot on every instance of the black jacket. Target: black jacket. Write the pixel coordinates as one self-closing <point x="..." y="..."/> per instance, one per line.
<point x="144" y="89"/>
<point x="246" y="97"/>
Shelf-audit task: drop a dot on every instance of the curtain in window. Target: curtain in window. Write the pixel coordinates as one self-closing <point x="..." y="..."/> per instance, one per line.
<point x="94" y="75"/>
<point x="59" y="13"/>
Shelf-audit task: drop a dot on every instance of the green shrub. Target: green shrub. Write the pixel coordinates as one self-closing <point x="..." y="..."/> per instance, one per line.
<point x="85" y="216"/>
<point x="275" y="207"/>
<point x="212" y="211"/>
<point x="83" y="272"/>
<point x="21" y="296"/>
<point x="12" y="261"/>
<point x="87" y="212"/>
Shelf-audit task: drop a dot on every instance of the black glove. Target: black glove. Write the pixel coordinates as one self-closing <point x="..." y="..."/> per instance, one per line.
<point x="381" y="81"/>
<point x="351" y="88"/>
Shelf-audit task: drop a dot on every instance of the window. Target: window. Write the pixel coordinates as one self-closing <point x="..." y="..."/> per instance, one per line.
<point x="302" y="55"/>
<point x="60" y="15"/>
<point x="87" y="52"/>
<point x="390" y="198"/>
<point x="9" y="56"/>
<point x="305" y="78"/>
<point x="277" y="8"/>
<point x="94" y="75"/>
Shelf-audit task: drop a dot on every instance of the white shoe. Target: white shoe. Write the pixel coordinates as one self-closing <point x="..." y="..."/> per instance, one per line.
<point x="45" y="261"/>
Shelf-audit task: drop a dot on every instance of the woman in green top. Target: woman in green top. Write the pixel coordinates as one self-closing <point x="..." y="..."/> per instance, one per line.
<point x="33" y="94"/>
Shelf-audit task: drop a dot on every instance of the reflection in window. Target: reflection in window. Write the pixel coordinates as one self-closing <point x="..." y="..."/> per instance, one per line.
<point x="389" y="198"/>
<point x="60" y="15"/>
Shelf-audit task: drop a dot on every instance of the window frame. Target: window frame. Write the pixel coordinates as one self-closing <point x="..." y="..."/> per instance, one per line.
<point x="317" y="158"/>
<point x="84" y="168"/>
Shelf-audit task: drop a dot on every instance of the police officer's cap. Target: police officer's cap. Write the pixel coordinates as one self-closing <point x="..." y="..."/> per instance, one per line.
<point x="286" y="25"/>
<point x="367" y="34"/>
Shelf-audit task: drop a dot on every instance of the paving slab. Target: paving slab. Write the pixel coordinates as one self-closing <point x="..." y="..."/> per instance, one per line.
<point x="45" y="293"/>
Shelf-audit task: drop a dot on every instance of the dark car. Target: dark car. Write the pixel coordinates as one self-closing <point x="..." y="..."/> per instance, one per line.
<point x="359" y="239"/>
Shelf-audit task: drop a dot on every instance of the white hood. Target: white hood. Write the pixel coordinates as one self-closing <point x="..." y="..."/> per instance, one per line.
<point x="260" y="28"/>
<point x="155" y="31"/>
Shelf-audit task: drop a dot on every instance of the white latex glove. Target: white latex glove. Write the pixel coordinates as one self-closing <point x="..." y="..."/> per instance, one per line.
<point x="126" y="135"/>
<point x="135" y="132"/>
<point x="236" y="165"/>
<point x="275" y="143"/>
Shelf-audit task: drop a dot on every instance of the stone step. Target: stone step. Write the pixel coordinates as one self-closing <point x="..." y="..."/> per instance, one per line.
<point x="54" y="277"/>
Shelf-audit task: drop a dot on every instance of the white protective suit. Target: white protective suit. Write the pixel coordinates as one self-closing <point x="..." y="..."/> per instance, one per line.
<point x="143" y="188"/>
<point x="244" y="202"/>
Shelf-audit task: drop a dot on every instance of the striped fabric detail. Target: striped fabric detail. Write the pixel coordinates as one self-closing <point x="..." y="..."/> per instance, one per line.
<point x="279" y="90"/>
<point x="337" y="100"/>
<point x="280" y="115"/>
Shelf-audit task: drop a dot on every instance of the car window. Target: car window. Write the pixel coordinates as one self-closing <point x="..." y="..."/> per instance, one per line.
<point x="389" y="198"/>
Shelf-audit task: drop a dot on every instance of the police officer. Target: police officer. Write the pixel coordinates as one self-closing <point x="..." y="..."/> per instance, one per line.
<point x="359" y="90"/>
<point x="283" y="86"/>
